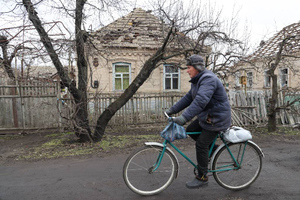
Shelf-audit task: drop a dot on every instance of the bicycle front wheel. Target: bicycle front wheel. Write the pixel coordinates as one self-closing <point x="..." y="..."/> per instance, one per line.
<point x="139" y="171"/>
<point x="231" y="176"/>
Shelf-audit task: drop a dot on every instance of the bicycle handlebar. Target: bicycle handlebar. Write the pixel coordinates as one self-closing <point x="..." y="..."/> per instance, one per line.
<point x="167" y="116"/>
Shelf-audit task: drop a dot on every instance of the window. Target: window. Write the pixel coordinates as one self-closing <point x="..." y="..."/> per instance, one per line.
<point x="267" y="79"/>
<point x="121" y="76"/>
<point x="283" y="77"/>
<point x="249" y="79"/>
<point x="171" y="77"/>
<point x="237" y="79"/>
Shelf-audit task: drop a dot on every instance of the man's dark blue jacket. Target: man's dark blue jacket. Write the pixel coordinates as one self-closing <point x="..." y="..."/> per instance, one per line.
<point x="207" y="99"/>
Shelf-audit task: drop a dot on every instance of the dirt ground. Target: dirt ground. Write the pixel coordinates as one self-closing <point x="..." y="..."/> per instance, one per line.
<point x="40" y="146"/>
<point x="43" y="146"/>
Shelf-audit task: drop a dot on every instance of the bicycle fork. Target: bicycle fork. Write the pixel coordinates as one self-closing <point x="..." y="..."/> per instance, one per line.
<point x="158" y="160"/>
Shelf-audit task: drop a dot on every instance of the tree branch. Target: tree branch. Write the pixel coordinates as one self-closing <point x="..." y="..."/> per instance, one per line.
<point x="48" y="45"/>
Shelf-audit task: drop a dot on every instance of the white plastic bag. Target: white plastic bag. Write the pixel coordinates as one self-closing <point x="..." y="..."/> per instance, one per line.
<point x="237" y="134"/>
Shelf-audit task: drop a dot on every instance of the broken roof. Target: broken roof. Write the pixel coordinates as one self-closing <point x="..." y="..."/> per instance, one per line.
<point x="138" y="29"/>
<point x="271" y="47"/>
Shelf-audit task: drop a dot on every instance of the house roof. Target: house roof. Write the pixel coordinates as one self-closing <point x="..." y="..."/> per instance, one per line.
<point x="138" y="29"/>
<point x="271" y="47"/>
<point x="41" y="71"/>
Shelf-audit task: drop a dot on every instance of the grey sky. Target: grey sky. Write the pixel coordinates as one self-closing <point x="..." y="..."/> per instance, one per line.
<point x="265" y="17"/>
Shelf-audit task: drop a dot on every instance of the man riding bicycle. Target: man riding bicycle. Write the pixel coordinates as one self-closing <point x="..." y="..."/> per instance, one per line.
<point x="207" y="99"/>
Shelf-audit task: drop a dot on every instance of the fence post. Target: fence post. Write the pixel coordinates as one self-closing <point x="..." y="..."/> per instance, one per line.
<point x="22" y="103"/>
<point x="14" y="106"/>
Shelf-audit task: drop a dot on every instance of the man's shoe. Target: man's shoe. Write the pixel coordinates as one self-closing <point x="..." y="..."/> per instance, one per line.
<point x="197" y="182"/>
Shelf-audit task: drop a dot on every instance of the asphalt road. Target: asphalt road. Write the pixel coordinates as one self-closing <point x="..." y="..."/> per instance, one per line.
<point x="101" y="178"/>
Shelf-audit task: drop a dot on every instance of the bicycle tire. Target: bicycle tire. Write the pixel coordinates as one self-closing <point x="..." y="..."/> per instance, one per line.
<point x="138" y="174"/>
<point x="237" y="179"/>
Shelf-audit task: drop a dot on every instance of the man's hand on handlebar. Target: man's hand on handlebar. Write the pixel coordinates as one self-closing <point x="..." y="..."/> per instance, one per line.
<point x="179" y="120"/>
<point x="169" y="112"/>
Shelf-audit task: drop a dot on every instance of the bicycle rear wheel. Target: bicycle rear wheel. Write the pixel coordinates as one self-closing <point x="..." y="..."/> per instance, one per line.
<point x="138" y="171"/>
<point x="247" y="155"/>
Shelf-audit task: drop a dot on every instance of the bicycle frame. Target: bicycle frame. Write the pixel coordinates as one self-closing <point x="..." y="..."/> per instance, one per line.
<point x="236" y="164"/>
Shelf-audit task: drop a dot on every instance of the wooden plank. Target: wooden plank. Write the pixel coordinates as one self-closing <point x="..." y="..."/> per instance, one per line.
<point x="263" y="107"/>
<point x="248" y="102"/>
<point x="290" y="118"/>
<point x="254" y="107"/>
<point x="281" y="112"/>
<point x="243" y="103"/>
<point x="247" y="109"/>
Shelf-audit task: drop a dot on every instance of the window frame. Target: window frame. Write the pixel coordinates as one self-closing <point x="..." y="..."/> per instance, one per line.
<point x="115" y="74"/>
<point x="237" y="79"/>
<point x="267" y="79"/>
<point x="286" y="75"/>
<point x="171" y="78"/>
<point x="249" y="78"/>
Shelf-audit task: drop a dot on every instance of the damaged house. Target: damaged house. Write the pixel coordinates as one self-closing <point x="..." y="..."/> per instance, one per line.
<point x="253" y="73"/>
<point x="118" y="51"/>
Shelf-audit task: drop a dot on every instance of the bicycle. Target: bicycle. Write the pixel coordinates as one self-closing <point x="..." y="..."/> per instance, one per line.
<point x="152" y="168"/>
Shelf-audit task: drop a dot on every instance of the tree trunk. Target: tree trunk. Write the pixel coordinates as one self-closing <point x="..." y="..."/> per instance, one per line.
<point x="84" y="132"/>
<point x="109" y="112"/>
<point x="81" y="124"/>
<point x="272" y="116"/>
<point x="272" y="125"/>
<point x="143" y="75"/>
<point x="6" y="63"/>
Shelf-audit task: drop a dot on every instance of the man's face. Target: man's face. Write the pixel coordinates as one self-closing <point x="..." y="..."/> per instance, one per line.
<point x="192" y="71"/>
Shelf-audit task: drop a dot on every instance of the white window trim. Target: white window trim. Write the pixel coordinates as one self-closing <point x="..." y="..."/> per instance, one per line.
<point x="164" y="78"/>
<point x="114" y="74"/>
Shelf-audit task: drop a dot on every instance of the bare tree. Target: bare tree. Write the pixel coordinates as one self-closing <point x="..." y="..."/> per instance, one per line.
<point x="18" y="42"/>
<point x="7" y="59"/>
<point x="282" y="50"/>
<point x="188" y="33"/>
<point x="188" y="30"/>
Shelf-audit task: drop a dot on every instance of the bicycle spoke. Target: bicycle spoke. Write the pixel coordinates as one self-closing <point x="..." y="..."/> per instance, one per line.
<point x="244" y="172"/>
<point x="142" y="168"/>
<point x="144" y="174"/>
